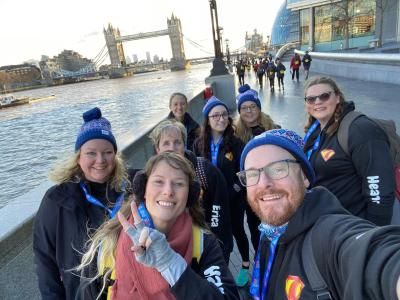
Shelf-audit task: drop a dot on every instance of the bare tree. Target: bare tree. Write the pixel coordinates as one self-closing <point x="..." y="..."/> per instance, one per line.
<point x="381" y="7"/>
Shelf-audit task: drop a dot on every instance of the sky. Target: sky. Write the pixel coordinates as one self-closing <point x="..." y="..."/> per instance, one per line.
<point x="31" y="29"/>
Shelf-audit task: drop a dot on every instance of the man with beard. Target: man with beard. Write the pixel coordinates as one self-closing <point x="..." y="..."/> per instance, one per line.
<point x="356" y="259"/>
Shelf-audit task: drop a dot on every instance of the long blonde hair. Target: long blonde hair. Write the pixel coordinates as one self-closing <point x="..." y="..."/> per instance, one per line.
<point x="106" y="237"/>
<point x="244" y="132"/>
<point x="68" y="170"/>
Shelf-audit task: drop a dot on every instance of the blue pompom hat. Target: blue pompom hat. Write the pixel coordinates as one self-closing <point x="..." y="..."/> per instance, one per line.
<point x="211" y="103"/>
<point x="94" y="127"/>
<point x="286" y="139"/>
<point x="247" y="94"/>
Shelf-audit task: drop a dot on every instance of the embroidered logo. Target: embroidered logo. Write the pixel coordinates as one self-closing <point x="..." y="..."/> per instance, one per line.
<point x="229" y="156"/>
<point x="294" y="286"/>
<point x="327" y="154"/>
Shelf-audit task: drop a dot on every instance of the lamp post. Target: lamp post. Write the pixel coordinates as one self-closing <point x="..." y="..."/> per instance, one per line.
<point x="219" y="67"/>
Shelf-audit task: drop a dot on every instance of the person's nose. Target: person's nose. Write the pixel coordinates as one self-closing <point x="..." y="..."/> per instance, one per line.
<point x="168" y="189"/>
<point x="265" y="181"/>
<point x="101" y="157"/>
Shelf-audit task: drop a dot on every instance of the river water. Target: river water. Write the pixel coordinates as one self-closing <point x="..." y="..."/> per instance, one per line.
<point x="34" y="136"/>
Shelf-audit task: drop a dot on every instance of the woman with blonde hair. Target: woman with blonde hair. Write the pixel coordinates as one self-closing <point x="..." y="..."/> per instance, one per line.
<point x="158" y="248"/>
<point x="89" y="189"/>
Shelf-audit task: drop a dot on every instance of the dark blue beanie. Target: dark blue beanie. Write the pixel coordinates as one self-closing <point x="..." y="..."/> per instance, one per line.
<point x="94" y="127"/>
<point x="286" y="139"/>
<point x="247" y="94"/>
<point x="211" y="103"/>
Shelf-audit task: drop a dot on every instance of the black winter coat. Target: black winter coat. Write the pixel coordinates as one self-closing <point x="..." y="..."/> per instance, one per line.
<point x="192" y="129"/>
<point x="353" y="268"/>
<point x="60" y="232"/>
<point x="364" y="181"/>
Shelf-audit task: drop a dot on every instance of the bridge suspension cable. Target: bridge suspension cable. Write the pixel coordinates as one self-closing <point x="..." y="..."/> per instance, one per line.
<point x="198" y="46"/>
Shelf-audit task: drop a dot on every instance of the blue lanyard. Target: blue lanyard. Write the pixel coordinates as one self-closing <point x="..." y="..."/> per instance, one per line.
<point x="317" y="141"/>
<point x="215" y="150"/>
<point x="96" y="202"/>
<point x="144" y="214"/>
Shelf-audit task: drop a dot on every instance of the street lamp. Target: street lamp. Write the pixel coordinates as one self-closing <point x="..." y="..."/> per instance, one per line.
<point x="218" y="62"/>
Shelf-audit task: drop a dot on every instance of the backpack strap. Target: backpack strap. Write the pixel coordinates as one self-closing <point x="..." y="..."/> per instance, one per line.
<point x="197" y="242"/>
<point x="317" y="282"/>
<point x="343" y="131"/>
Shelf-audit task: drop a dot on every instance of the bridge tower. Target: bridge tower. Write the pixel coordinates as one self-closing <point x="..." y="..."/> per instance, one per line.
<point x="114" y="46"/>
<point x="178" y="60"/>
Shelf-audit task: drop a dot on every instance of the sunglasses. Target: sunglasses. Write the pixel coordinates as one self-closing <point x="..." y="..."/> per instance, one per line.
<point x="323" y="97"/>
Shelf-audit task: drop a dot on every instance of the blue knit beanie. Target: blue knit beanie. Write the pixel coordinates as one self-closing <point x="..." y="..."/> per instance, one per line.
<point x="95" y="127"/>
<point x="286" y="139"/>
<point x="211" y="103"/>
<point x="247" y="94"/>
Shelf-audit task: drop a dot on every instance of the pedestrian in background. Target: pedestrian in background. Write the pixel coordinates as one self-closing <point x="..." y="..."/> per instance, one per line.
<point x="280" y="73"/>
<point x="222" y="148"/>
<point x="305" y="231"/>
<point x="271" y="70"/>
<point x="362" y="181"/>
<point x="178" y="105"/>
<point x="306" y="63"/>
<point x="90" y="190"/>
<point x="295" y="64"/>
<point x="240" y="70"/>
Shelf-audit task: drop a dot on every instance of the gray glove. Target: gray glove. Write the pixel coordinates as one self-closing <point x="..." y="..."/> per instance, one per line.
<point x="159" y="254"/>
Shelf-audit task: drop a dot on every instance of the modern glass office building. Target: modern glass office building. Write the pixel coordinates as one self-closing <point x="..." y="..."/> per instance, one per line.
<point x="326" y="25"/>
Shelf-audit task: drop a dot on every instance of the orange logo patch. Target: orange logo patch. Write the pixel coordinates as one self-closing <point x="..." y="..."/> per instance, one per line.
<point x="294" y="286"/>
<point x="327" y="154"/>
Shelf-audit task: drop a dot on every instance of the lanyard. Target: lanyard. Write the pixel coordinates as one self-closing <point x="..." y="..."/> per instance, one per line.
<point x="144" y="214"/>
<point x="215" y="150"/>
<point x="317" y="141"/>
<point x="96" y="202"/>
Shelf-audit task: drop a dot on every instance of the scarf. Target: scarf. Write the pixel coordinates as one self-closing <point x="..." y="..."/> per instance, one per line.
<point x="136" y="281"/>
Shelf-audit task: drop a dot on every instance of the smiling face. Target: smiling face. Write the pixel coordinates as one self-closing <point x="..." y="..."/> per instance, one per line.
<point x="322" y="110"/>
<point x="166" y="195"/>
<point x="97" y="160"/>
<point x="178" y="106"/>
<point x="219" y="124"/>
<point x="250" y="113"/>
<point x="275" y="201"/>
<point x="171" y="140"/>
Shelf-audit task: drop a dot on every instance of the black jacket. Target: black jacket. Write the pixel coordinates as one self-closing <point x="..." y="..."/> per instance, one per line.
<point x="353" y="179"/>
<point x="306" y="61"/>
<point x="214" y="200"/>
<point x="198" y="281"/>
<point x="280" y="67"/>
<point x="60" y="232"/>
<point x="350" y="271"/>
<point x="192" y="129"/>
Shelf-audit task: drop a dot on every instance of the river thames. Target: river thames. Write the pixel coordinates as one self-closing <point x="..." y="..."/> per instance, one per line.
<point x="34" y="136"/>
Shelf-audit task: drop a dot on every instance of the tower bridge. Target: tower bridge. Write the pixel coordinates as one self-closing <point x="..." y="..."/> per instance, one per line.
<point x="114" y="42"/>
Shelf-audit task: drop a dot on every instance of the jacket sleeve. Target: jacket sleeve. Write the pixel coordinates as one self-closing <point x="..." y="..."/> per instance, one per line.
<point x="44" y="249"/>
<point x="358" y="260"/>
<point x="212" y="281"/>
<point x="217" y="194"/>
<point x="371" y="157"/>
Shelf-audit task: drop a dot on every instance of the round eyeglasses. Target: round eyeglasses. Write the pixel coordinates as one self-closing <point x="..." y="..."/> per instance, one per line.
<point x="275" y="170"/>
<point x="323" y="97"/>
<point x="218" y="116"/>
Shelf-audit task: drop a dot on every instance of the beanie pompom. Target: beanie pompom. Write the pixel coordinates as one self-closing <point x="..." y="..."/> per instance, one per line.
<point x="244" y="88"/>
<point x="93" y="114"/>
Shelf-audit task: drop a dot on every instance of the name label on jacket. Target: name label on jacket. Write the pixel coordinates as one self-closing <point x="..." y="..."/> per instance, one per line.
<point x="215" y="215"/>
<point x="373" y="184"/>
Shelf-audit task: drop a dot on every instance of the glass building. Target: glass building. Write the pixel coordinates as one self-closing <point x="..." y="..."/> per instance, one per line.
<point x="326" y="25"/>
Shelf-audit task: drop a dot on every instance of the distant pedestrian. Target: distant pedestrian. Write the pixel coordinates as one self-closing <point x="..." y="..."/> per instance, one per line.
<point x="280" y="73"/>
<point x="90" y="190"/>
<point x="178" y="104"/>
<point x="306" y="63"/>
<point x="271" y="70"/>
<point x="240" y="70"/>
<point x="260" y="73"/>
<point x="295" y="64"/>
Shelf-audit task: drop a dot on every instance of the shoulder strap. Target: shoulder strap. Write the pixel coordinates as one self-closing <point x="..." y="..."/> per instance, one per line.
<point x="343" y="131"/>
<point x="313" y="274"/>
<point x="197" y="242"/>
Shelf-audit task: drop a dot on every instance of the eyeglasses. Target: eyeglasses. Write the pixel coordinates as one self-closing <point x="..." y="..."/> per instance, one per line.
<point x="323" y="97"/>
<point x="276" y="170"/>
<point x="248" y="108"/>
<point x="217" y="116"/>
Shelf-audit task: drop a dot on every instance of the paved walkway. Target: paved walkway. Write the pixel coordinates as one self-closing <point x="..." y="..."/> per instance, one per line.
<point x="18" y="279"/>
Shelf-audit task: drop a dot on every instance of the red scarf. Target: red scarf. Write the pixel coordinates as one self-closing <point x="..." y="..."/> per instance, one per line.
<point x="136" y="281"/>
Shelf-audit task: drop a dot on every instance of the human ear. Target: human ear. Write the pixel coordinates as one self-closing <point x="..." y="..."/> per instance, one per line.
<point x="305" y="180"/>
